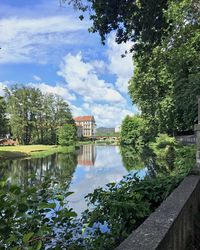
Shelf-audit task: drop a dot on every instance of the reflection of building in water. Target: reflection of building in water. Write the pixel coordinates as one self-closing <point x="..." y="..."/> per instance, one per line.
<point x="87" y="155"/>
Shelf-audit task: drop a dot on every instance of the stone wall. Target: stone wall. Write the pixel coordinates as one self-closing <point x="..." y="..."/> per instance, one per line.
<point x="171" y="226"/>
<point x="187" y="139"/>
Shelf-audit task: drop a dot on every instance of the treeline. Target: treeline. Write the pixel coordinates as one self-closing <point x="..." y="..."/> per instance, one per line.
<point x="33" y="117"/>
<point x="166" y="78"/>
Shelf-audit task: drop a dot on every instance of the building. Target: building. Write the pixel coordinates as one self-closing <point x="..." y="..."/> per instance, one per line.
<point x="87" y="155"/>
<point x="86" y="126"/>
<point x="79" y="131"/>
<point x="118" y="129"/>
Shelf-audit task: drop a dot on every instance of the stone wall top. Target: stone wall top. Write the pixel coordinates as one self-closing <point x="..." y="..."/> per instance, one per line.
<point x="154" y="230"/>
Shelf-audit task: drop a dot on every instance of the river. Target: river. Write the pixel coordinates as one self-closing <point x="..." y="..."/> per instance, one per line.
<point x="90" y="167"/>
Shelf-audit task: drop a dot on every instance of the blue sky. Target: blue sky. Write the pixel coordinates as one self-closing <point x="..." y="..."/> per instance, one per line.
<point x="48" y="47"/>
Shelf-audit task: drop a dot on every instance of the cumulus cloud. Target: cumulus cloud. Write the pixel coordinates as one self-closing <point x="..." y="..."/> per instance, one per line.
<point x="58" y="89"/>
<point x="2" y="87"/>
<point x="121" y="67"/>
<point x="32" y="40"/>
<point x="82" y="78"/>
<point x="108" y="115"/>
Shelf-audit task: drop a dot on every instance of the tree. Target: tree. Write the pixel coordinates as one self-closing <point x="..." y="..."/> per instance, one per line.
<point x="3" y="118"/>
<point x="166" y="82"/>
<point x="66" y="134"/>
<point x="133" y="132"/>
<point x="35" y="117"/>
<point x="22" y="107"/>
<point x="142" y="22"/>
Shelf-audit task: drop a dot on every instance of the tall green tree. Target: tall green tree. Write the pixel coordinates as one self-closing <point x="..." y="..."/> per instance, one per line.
<point x="3" y="118"/>
<point x="22" y="107"/>
<point x="66" y="134"/>
<point x="35" y="117"/>
<point x="166" y="82"/>
<point x="133" y="132"/>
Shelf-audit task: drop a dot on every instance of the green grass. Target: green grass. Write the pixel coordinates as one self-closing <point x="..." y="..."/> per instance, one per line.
<point x="13" y="152"/>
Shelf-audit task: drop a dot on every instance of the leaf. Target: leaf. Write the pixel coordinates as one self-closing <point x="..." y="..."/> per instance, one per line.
<point x="39" y="245"/>
<point x="69" y="214"/>
<point x="47" y="205"/>
<point x="60" y="197"/>
<point x="68" y="194"/>
<point x="27" y="237"/>
<point x="22" y="207"/>
<point x="11" y="238"/>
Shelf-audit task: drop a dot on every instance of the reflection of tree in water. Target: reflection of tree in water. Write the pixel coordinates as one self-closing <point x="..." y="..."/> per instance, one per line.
<point x="134" y="160"/>
<point x="131" y="159"/>
<point x="28" y="172"/>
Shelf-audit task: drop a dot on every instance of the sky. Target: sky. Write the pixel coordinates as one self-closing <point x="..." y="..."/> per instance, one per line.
<point x="45" y="45"/>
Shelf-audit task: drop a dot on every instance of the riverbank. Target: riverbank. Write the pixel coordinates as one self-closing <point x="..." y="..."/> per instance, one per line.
<point x="99" y="142"/>
<point x="14" y="152"/>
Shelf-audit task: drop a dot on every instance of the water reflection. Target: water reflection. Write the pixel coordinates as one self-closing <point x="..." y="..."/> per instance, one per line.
<point x="87" y="155"/>
<point x="107" y="167"/>
<point x="59" y="166"/>
<point x="89" y="168"/>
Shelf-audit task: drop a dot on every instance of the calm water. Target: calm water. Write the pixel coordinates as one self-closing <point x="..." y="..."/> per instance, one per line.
<point x="84" y="170"/>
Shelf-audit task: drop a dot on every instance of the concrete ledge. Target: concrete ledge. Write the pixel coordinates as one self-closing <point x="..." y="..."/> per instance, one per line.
<point x="171" y="226"/>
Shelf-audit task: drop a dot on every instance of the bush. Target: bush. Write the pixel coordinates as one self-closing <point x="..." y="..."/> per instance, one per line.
<point x="133" y="132"/>
<point x="66" y="135"/>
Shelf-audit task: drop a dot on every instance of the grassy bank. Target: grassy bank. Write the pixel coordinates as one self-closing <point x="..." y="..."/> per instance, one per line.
<point x="13" y="152"/>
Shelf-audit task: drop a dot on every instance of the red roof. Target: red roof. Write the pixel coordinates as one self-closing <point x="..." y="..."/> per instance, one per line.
<point x="84" y="118"/>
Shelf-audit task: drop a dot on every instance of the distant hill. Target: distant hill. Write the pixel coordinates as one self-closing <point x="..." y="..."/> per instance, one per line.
<point x="105" y="131"/>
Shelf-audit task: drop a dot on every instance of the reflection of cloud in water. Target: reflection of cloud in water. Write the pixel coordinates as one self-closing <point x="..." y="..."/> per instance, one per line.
<point x="108" y="167"/>
<point x="117" y="149"/>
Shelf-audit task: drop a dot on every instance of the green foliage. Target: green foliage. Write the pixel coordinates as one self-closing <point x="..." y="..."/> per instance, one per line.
<point x="35" y="117"/>
<point x="131" y="158"/>
<point x="142" y="22"/>
<point x="29" y="217"/>
<point x="67" y="135"/>
<point x="133" y="132"/>
<point x="124" y="207"/>
<point x="162" y="141"/>
<point x="164" y="148"/>
<point x="185" y="158"/>
<point x="3" y="118"/>
<point x="166" y="81"/>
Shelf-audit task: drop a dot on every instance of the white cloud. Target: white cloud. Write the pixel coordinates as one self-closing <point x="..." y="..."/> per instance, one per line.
<point x="2" y="87"/>
<point x="58" y="89"/>
<point x="107" y="115"/>
<point x="32" y="40"/>
<point x="122" y="67"/>
<point x="37" y="78"/>
<point x="82" y="78"/>
<point x="77" y="111"/>
<point x="99" y="65"/>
